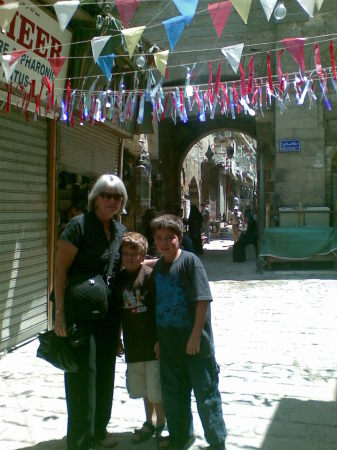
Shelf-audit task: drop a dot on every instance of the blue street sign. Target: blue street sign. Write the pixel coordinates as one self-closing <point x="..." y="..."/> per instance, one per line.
<point x="290" y="145"/>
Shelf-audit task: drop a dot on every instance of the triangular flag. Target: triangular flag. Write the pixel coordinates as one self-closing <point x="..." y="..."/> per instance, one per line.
<point x="126" y="9"/>
<point x="186" y="7"/>
<point x="268" y="7"/>
<point x="106" y="64"/>
<point x="56" y="63"/>
<point x="7" y="12"/>
<point x="295" y="47"/>
<point x="219" y="13"/>
<point x="132" y="36"/>
<point x="233" y="54"/>
<point x="16" y="55"/>
<point x="243" y="8"/>
<point x="160" y="60"/>
<point x="65" y="11"/>
<point x="174" y="27"/>
<point x="97" y="45"/>
<point x="308" y="6"/>
<point x="7" y="67"/>
<point x="319" y="4"/>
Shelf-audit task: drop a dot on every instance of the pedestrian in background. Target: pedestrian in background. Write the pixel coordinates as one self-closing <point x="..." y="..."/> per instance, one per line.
<point x="85" y="246"/>
<point x="206" y="219"/>
<point x="195" y="222"/>
<point x="185" y="339"/>
<point x="136" y="291"/>
<point x="235" y="222"/>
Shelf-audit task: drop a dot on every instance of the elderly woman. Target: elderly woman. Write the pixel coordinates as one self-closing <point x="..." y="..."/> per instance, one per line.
<point x="85" y="247"/>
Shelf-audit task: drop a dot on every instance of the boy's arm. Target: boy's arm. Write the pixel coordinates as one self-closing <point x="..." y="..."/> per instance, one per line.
<point x="193" y="344"/>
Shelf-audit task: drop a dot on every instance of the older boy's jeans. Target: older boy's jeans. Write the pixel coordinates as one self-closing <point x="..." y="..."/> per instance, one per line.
<point x="178" y="377"/>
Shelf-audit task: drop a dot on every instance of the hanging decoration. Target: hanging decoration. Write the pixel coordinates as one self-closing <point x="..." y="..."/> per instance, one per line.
<point x="295" y="47"/>
<point x="308" y="6"/>
<point x="242" y="7"/>
<point x="126" y="9"/>
<point x="219" y="13"/>
<point x="8" y="9"/>
<point x="8" y="66"/>
<point x="56" y="63"/>
<point x="233" y="54"/>
<point x="160" y="59"/>
<point x="132" y="36"/>
<point x="319" y="4"/>
<point x="186" y="7"/>
<point x="268" y="7"/>
<point x="64" y="11"/>
<point x="97" y="45"/>
<point x="106" y="63"/>
<point x="174" y="27"/>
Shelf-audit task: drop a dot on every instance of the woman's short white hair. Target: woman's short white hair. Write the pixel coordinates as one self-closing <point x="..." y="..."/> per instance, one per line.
<point x="106" y="183"/>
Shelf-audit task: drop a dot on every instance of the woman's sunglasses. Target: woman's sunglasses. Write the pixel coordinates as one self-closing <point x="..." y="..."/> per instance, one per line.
<point x="110" y="195"/>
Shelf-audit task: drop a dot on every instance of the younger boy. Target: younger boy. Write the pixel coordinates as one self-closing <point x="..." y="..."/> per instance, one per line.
<point x="185" y="339"/>
<point x="137" y="294"/>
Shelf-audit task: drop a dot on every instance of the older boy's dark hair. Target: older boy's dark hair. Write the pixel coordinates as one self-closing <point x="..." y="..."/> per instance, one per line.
<point x="168" y="221"/>
<point x="135" y="240"/>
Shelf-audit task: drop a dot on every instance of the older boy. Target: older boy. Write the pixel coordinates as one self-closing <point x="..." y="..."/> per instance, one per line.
<point x="185" y="339"/>
<point x="137" y="293"/>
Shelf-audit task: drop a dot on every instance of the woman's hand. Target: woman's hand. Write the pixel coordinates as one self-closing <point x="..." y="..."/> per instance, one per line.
<point x="60" y="327"/>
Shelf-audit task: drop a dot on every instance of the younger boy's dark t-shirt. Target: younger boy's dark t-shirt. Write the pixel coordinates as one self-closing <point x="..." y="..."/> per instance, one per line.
<point x="137" y="297"/>
<point x="179" y="286"/>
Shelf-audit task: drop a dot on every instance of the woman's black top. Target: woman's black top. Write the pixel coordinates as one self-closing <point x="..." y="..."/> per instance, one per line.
<point x="86" y="232"/>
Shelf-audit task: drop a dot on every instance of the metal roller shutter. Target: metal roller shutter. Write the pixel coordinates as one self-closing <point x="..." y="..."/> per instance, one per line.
<point x="88" y="150"/>
<point x="23" y="229"/>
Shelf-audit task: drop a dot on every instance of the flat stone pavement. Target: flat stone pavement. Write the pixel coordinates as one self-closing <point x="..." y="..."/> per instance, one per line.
<point x="275" y="336"/>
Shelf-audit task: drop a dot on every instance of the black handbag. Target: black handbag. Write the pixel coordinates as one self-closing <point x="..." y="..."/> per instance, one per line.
<point x="86" y="298"/>
<point x="57" y="351"/>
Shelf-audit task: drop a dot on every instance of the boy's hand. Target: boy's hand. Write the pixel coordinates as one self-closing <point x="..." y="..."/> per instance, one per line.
<point x="193" y="344"/>
<point x="156" y="349"/>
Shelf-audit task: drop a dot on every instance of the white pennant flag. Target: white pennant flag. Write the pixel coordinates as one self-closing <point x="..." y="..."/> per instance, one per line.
<point x="65" y="11"/>
<point x="319" y="4"/>
<point x="268" y="7"/>
<point x="233" y="54"/>
<point x="7" y="11"/>
<point x="97" y="45"/>
<point x="7" y="67"/>
<point x="308" y="6"/>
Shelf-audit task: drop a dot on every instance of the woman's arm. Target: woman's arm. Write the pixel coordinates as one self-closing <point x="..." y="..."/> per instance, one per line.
<point x="66" y="253"/>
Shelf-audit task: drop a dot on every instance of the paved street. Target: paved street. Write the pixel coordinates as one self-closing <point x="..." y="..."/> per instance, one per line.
<point x="275" y="336"/>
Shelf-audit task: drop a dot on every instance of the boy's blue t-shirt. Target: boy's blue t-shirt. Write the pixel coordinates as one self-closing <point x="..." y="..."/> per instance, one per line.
<point x="179" y="285"/>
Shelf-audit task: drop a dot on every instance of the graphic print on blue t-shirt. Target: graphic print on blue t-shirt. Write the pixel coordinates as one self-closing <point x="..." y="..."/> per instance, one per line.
<point x="172" y="302"/>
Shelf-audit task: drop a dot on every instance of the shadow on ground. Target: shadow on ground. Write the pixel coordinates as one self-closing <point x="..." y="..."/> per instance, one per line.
<point x="218" y="261"/>
<point x="303" y="425"/>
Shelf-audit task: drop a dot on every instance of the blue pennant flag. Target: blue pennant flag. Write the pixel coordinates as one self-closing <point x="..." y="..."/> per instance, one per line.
<point x="174" y="27"/>
<point x="106" y="64"/>
<point x="186" y="7"/>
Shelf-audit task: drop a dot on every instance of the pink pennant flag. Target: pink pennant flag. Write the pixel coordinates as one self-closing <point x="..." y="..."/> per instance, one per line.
<point x="126" y="9"/>
<point x="219" y="13"/>
<point x="57" y="63"/>
<point x="16" y="55"/>
<point x="295" y="47"/>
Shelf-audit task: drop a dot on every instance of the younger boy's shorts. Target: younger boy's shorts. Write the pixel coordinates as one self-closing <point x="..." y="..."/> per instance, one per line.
<point x="143" y="380"/>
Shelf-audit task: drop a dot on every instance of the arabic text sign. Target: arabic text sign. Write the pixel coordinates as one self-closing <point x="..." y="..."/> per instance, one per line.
<point x="290" y="145"/>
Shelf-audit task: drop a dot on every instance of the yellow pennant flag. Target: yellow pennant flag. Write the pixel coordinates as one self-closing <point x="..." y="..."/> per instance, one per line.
<point x="132" y="36"/>
<point x="243" y="8"/>
<point x="319" y="4"/>
<point x="160" y="60"/>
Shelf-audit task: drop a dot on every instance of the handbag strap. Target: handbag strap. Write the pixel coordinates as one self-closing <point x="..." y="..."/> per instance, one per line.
<point x="114" y="248"/>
